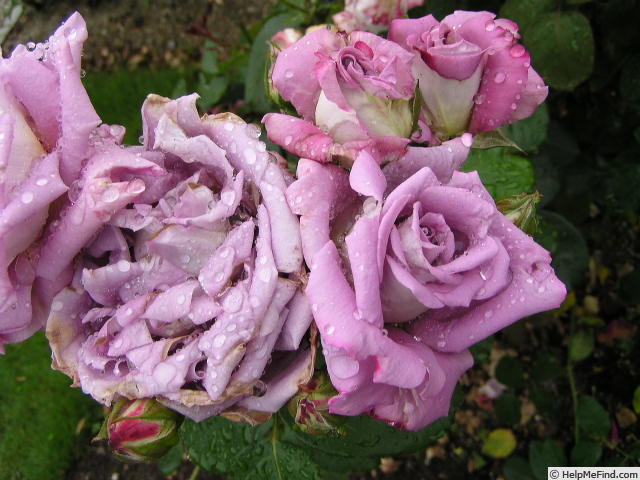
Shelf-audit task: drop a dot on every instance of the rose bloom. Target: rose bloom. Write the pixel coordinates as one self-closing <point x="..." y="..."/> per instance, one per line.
<point x="190" y="293"/>
<point x="407" y="272"/>
<point x="372" y="15"/>
<point x="353" y="93"/>
<point x="473" y="74"/>
<point x="45" y="123"/>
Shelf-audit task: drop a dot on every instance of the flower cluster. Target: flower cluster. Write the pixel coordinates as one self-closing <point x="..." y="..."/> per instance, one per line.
<point x="190" y="268"/>
<point x="410" y="260"/>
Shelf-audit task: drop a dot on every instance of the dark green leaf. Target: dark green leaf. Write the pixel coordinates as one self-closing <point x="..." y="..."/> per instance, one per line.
<point x="502" y="173"/>
<point x="254" y="92"/>
<point x="585" y="454"/>
<point x="171" y="461"/>
<point x="636" y="400"/>
<point x="507" y="408"/>
<point x="509" y="371"/>
<point x="517" y="468"/>
<point x="529" y="133"/>
<point x="567" y="246"/>
<point x="211" y="90"/>
<point x="245" y="452"/>
<point x="561" y="44"/>
<point x="581" y="345"/>
<point x="545" y="454"/>
<point x="592" y="417"/>
<point x="544" y="401"/>
<point x="524" y="12"/>
<point x="547" y="367"/>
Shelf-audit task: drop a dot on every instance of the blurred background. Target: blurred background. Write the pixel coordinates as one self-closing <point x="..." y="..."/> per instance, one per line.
<point x="560" y="388"/>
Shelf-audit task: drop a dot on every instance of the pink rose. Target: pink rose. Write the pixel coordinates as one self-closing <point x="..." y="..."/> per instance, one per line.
<point x="407" y="272"/>
<point x="45" y="123"/>
<point x="473" y="74"/>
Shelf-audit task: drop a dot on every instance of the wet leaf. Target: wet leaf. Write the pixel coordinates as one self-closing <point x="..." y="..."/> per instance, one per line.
<point x="502" y="173"/>
<point x="517" y="468"/>
<point x="507" y="408"/>
<point x="561" y="44"/>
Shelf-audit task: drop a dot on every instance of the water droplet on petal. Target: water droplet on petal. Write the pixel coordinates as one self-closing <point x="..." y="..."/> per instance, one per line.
<point x="123" y="265"/>
<point x="499" y="78"/>
<point x="228" y="197"/>
<point x="181" y="299"/>
<point x="57" y="306"/>
<point x="250" y="156"/>
<point x="288" y="139"/>
<point x="288" y="74"/>
<point x="517" y="51"/>
<point x="330" y="329"/>
<point x="42" y="182"/>
<point x="467" y="139"/>
<point x="27" y="197"/>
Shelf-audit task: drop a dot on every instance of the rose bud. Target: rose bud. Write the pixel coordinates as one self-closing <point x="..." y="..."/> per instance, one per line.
<point x="372" y="15"/>
<point x="407" y="272"/>
<point x="521" y="210"/>
<point x="310" y="408"/>
<point x="473" y="74"/>
<point x="140" y="430"/>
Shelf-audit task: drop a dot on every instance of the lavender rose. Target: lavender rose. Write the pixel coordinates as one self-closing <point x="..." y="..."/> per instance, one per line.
<point x="353" y="93"/>
<point x="473" y="74"/>
<point x="190" y="292"/>
<point x="407" y="272"/>
<point x="372" y="15"/>
<point x="45" y="123"/>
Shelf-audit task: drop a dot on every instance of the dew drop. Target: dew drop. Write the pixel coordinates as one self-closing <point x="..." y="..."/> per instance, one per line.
<point x="467" y="139"/>
<point x="42" y="182"/>
<point x="490" y="26"/>
<point x="499" y="78"/>
<point x="517" y="51"/>
<point x="123" y="265"/>
<point x="181" y="299"/>
<point x="229" y="127"/>
<point x="250" y="156"/>
<point x="228" y="197"/>
<point x="27" y="197"/>
<point x="330" y="329"/>
<point x="288" y="139"/>
<point x="288" y="74"/>
<point x="219" y="340"/>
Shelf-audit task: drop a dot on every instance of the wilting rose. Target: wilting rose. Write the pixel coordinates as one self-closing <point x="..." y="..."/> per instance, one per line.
<point x="473" y="74"/>
<point x="372" y="15"/>
<point x="190" y="292"/>
<point x="353" y="92"/>
<point x="407" y="272"/>
<point x="45" y="123"/>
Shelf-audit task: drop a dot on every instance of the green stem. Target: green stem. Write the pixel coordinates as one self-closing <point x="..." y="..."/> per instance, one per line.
<point x="195" y="473"/>
<point x="572" y="386"/>
<point x="274" y="449"/>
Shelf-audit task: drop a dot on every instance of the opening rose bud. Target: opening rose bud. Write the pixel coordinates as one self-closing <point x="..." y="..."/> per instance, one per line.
<point x="473" y="74"/>
<point x="140" y="430"/>
<point x="372" y="15"/>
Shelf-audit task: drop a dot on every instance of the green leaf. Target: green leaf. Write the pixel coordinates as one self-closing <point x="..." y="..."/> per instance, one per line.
<point x="254" y="92"/>
<point x="500" y="443"/>
<point x="171" y="461"/>
<point x="510" y="372"/>
<point x="507" y="408"/>
<point x="529" y="133"/>
<point x="492" y="139"/>
<point x="524" y="12"/>
<point x="585" y="454"/>
<point x="211" y="90"/>
<point x="416" y="107"/>
<point x="581" y="345"/>
<point x="636" y="400"/>
<point x="545" y="454"/>
<point x="567" y="246"/>
<point x="591" y="417"/>
<point x="561" y="46"/>
<point x="502" y="173"/>
<point x="245" y="452"/>
<point x="367" y="437"/>
<point x="547" y="367"/>
<point x="517" y="468"/>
